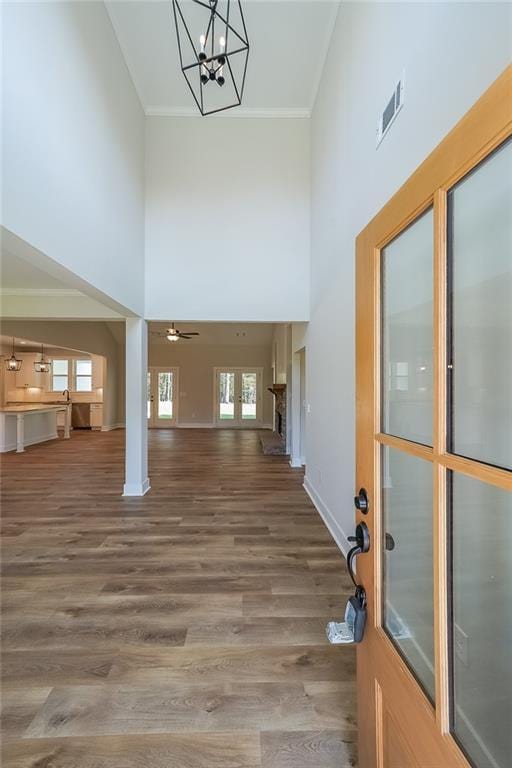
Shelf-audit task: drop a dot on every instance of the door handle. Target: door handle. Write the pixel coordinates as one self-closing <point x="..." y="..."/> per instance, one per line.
<point x="362" y="546"/>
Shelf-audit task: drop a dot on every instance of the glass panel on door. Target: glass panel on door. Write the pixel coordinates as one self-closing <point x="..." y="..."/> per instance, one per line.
<point x="161" y="394"/>
<point x="407" y="332"/>
<point x="165" y="395"/>
<point x="226" y="401"/>
<point x="249" y="395"/>
<point x="480" y="260"/>
<point x="407" y="578"/>
<point x="481" y="619"/>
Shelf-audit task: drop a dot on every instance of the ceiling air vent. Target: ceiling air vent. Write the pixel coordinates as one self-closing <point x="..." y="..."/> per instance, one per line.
<point x="391" y="110"/>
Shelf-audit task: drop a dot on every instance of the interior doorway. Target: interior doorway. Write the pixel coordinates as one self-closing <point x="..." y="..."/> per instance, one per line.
<point x="162" y="397"/>
<point x="237" y="397"/>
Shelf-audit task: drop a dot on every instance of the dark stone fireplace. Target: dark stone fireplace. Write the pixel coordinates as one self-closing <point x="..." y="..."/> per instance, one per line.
<point x="275" y="442"/>
<point x="279" y="392"/>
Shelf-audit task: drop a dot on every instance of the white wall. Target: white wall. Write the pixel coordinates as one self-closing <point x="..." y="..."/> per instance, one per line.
<point x="73" y="151"/>
<point x="451" y="52"/>
<point x="227" y="219"/>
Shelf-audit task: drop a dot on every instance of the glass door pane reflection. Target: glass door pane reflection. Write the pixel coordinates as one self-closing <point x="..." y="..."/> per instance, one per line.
<point x="481" y="630"/>
<point x="408" y="588"/>
<point x="407" y="332"/>
<point x="480" y="258"/>
<point x="249" y="395"/>
<point x="165" y="395"/>
<point x="227" y="395"/>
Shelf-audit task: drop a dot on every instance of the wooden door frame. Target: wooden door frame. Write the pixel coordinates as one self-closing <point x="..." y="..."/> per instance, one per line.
<point x="237" y="423"/>
<point x="174" y="422"/>
<point x="479" y="132"/>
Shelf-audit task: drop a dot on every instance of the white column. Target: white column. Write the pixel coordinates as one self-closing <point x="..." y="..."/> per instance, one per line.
<point x="136" y="436"/>
<point x="20" y="433"/>
<point x="67" y="422"/>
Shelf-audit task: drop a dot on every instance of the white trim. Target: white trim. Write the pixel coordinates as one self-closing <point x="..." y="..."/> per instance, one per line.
<point x="110" y="427"/>
<point x="330" y="521"/>
<point x="295" y="461"/>
<point x="136" y="489"/>
<point x="40" y="292"/>
<point x="252" y="113"/>
<point x="322" y="49"/>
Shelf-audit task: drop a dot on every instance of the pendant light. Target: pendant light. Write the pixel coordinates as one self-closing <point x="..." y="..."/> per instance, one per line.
<point x="13" y="363"/>
<point x="42" y="365"/>
<point x="214" y="49"/>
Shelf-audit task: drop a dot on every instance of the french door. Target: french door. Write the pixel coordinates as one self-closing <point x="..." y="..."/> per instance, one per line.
<point x="237" y="397"/>
<point x="434" y="454"/>
<point x="162" y="397"/>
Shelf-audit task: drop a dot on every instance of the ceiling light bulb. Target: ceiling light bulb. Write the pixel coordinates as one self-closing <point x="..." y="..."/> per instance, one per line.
<point x="222" y="43"/>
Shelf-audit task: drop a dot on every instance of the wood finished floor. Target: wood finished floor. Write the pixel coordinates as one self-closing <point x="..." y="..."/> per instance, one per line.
<point x="185" y="629"/>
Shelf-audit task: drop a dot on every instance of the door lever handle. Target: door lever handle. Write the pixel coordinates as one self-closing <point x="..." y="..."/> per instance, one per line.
<point x="362" y="540"/>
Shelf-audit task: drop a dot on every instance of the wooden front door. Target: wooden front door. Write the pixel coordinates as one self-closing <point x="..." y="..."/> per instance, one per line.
<point x="434" y="453"/>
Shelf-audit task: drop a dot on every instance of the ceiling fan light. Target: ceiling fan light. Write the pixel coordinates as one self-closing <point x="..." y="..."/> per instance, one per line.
<point x="173" y="337"/>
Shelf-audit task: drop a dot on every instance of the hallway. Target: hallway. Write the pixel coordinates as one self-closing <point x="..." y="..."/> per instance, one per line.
<point x="184" y="629"/>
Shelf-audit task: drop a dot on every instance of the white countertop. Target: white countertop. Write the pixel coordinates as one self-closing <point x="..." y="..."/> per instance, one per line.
<point x="31" y="408"/>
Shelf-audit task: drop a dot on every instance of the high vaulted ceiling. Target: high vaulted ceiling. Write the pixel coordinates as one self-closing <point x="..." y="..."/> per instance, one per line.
<point x="288" y="43"/>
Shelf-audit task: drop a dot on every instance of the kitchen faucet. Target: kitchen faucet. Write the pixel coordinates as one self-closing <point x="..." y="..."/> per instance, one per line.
<point x="66" y="392"/>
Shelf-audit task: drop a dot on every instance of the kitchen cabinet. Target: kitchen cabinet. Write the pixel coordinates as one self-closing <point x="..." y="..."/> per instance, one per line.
<point x="27" y="376"/>
<point x="96" y="415"/>
<point x="97" y="371"/>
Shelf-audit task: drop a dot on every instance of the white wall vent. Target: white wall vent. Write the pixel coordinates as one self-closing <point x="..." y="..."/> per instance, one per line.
<point x="391" y="110"/>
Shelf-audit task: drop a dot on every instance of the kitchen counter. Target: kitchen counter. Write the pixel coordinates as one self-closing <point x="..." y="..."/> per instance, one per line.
<point x="30" y="423"/>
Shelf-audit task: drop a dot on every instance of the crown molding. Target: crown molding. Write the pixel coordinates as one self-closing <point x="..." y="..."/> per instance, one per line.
<point x="237" y="112"/>
<point x="40" y="292"/>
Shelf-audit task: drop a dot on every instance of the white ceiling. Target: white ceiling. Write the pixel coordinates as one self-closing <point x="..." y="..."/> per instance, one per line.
<point x="16" y="273"/>
<point x="242" y="334"/>
<point x="288" y="44"/>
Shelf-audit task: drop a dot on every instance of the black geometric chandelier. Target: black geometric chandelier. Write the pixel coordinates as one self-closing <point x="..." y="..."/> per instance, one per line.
<point x="42" y="365"/>
<point x="13" y="363"/>
<point x="214" y="50"/>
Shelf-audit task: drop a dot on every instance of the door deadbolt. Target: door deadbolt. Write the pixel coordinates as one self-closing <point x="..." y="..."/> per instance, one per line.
<point x="361" y="501"/>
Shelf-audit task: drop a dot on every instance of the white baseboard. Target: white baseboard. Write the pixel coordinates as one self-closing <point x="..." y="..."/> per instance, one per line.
<point x="295" y="461"/>
<point x="325" y="513"/>
<point x="110" y="427"/>
<point x="136" y="489"/>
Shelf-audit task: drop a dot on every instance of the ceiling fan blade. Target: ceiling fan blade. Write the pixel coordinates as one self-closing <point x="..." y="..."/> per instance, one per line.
<point x="183" y="336"/>
<point x="190" y="333"/>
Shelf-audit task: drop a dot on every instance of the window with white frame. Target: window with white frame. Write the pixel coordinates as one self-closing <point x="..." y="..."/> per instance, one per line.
<point x="60" y="375"/>
<point x="75" y="375"/>
<point x="83" y="376"/>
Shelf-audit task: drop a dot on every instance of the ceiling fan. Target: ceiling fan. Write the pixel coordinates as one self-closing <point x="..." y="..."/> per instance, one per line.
<point x="174" y="334"/>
